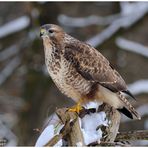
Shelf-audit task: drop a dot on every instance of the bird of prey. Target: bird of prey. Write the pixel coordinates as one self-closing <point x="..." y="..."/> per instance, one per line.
<point x="82" y="73"/>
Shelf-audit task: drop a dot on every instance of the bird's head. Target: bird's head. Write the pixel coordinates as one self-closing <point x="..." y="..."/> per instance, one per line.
<point x="52" y="32"/>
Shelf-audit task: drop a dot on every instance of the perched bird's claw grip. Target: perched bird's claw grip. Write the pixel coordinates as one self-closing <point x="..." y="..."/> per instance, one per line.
<point x="77" y="108"/>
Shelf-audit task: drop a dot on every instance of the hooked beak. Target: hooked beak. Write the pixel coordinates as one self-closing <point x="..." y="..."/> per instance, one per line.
<point x="43" y="32"/>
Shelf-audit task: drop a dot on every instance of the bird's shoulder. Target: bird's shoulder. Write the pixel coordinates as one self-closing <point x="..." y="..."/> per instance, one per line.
<point x="84" y="52"/>
<point x="92" y="65"/>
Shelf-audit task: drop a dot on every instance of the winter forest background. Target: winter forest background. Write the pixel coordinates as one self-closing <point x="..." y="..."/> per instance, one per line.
<point x="119" y="30"/>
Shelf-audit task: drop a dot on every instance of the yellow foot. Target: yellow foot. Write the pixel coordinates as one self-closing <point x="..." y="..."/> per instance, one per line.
<point x="77" y="108"/>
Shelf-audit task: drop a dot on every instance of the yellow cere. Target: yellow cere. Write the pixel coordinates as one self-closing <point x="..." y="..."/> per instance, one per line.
<point x="43" y="31"/>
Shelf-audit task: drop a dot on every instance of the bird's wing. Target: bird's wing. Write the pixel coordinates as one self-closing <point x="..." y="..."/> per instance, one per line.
<point x="93" y="66"/>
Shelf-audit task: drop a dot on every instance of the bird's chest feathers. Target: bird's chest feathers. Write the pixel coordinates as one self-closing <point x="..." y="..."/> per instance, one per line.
<point x="63" y="74"/>
<point x="59" y="71"/>
<point x="57" y="66"/>
<point x="48" y="50"/>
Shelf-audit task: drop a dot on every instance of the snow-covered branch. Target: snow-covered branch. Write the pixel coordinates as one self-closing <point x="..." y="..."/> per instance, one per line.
<point x="90" y="124"/>
<point x="86" y="21"/>
<point x="132" y="46"/>
<point x="93" y="124"/>
<point x="14" y="26"/>
<point x="104" y="35"/>
<point x="130" y="13"/>
<point x="136" y="12"/>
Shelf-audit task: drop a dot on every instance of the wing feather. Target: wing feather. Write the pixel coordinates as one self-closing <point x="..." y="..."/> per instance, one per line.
<point x="93" y="66"/>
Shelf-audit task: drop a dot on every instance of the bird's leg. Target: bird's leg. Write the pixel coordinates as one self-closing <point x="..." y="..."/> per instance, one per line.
<point x="76" y="108"/>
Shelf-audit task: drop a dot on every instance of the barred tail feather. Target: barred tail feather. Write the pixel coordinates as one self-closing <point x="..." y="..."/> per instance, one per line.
<point x="128" y="109"/>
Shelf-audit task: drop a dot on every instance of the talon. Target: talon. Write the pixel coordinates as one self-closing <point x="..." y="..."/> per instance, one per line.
<point x="77" y="108"/>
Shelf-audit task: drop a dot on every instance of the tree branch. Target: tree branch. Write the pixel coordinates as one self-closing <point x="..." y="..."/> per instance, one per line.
<point x="132" y="135"/>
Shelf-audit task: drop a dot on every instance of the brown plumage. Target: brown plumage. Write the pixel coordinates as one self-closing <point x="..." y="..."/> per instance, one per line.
<point x="81" y="72"/>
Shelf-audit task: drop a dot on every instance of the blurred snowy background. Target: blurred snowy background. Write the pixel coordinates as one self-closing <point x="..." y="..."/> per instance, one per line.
<point x="119" y="30"/>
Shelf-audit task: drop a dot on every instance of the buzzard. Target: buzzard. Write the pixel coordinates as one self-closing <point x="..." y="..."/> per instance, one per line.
<point x="82" y="73"/>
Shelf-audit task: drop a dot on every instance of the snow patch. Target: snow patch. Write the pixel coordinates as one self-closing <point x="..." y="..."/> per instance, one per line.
<point x="49" y="132"/>
<point x="89" y="125"/>
<point x="93" y="105"/>
<point x="46" y="135"/>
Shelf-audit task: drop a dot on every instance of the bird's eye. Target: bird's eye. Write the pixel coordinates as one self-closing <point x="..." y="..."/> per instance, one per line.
<point x="50" y="31"/>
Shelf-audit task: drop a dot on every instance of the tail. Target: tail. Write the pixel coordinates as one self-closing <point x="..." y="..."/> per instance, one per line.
<point x="128" y="109"/>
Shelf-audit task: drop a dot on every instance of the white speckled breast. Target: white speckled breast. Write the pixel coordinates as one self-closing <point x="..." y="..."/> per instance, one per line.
<point x="67" y="80"/>
<point x="64" y="75"/>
